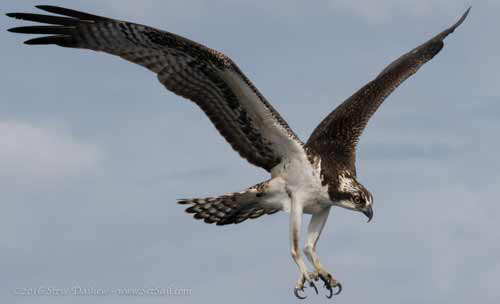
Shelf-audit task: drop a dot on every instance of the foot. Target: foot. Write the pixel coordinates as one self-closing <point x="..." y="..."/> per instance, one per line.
<point x="304" y="277"/>
<point x="330" y="282"/>
<point x="314" y="275"/>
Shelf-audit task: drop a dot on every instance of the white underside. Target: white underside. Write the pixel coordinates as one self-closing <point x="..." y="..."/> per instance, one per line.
<point x="299" y="181"/>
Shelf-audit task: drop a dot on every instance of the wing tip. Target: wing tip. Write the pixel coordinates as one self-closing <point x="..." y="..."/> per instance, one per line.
<point x="61" y="40"/>
<point x="441" y="36"/>
<point x="39" y="41"/>
<point x="461" y="20"/>
<point x="68" y="12"/>
<point x="51" y="8"/>
<point x="46" y="8"/>
<point x="43" y="7"/>
<point x="20" y="30"/>
<point x="14" y="15"/>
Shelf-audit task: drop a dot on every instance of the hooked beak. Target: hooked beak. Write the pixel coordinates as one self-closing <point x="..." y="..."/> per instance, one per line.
<point x="369" y="213"/>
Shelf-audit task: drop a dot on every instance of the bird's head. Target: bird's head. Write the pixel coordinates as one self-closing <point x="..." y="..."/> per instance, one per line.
<point x="354" y="196"/>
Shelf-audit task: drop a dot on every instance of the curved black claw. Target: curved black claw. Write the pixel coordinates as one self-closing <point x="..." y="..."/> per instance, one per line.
<point x="296" y="293"/>
<point x="313" y="286"/>
<point x="338" y="286"/>
<point x="331" y="292"/>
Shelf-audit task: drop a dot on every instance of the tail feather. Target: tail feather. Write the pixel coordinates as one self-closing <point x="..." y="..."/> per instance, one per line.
<point x="231" y="208"/>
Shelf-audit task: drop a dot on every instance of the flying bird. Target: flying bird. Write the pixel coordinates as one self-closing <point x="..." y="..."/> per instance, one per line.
<point x="308" y="177"/>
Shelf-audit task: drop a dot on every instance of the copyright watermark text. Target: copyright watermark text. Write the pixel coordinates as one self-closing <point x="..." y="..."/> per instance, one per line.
<point x="76" y="291"/>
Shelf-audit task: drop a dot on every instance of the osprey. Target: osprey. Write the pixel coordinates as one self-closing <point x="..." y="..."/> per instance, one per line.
<point x="306" y="177"/>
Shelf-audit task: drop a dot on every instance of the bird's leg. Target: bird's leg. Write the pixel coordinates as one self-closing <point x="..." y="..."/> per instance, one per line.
<point x="295" y="223"/>
<point x="316" y="225"/>
<point x="314" y="229"/>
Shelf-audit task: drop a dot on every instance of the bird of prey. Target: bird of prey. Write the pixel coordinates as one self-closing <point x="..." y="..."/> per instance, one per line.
<point x="306" y="177"/>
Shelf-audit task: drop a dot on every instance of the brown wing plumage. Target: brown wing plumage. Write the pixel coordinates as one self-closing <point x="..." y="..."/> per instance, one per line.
<point x="207" y="77"/>
<point x="339" y="132"/>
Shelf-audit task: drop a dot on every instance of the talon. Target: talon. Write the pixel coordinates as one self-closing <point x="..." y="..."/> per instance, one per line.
<point x="329" y="288"/>
<point x="296" y="292"/>
<point x="339" y="287"/>
<point x="311" y="284"/>
<point x="330" y="284"/>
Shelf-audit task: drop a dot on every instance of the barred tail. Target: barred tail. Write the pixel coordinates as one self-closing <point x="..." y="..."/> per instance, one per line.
<point x="232" y="208"/>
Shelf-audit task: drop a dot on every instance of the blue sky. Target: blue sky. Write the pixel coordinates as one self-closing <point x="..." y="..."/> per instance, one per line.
<point x="94" y="153"/>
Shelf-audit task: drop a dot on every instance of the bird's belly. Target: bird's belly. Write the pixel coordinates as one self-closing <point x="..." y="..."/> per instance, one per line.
<point x="304" y="185"/>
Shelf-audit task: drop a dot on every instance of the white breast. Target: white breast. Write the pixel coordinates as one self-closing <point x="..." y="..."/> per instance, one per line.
<point x="302" y="180"/>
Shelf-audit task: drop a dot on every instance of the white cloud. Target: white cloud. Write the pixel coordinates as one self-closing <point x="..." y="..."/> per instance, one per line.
<point x="42" y="155"/>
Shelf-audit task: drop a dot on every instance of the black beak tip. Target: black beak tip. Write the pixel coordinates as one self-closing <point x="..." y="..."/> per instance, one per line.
<point x="369" y="214"/>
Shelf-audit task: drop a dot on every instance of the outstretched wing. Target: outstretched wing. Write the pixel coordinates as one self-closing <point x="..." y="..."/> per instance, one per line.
<point x="207" y="77"/>
<point x="339" y="132"/>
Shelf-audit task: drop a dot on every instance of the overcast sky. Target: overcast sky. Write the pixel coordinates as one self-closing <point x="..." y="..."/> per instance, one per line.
<point x="94" y="153"/>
